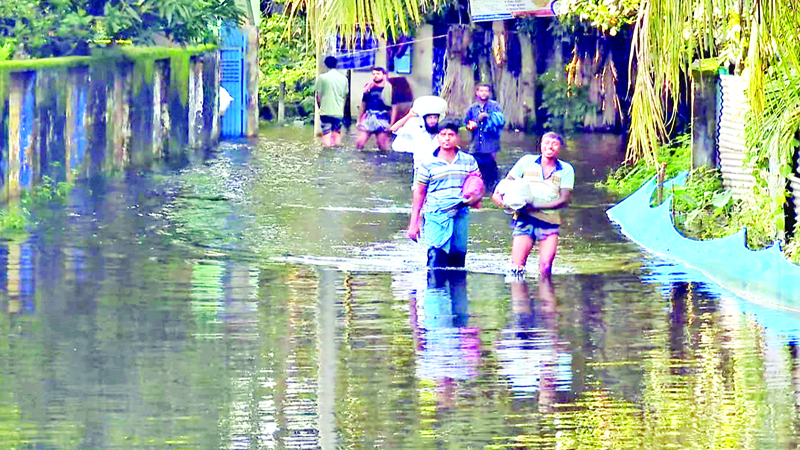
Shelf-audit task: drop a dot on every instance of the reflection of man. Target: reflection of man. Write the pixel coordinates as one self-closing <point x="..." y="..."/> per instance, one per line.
<point x="448" y="350"/>
<point x="376" y="110"/>
<point x="331" y="92"/>
<point x="485" y="119"/>
<point x="529" y="349"/>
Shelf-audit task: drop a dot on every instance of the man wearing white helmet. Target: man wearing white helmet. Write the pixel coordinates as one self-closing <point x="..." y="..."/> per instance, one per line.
<point x="416" y="132"/>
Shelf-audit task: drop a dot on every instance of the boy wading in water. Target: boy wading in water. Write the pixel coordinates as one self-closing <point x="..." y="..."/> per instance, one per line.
<point x="438" y="208"/>
<point x="331" y="92"/>
<point x="553" y="180"/>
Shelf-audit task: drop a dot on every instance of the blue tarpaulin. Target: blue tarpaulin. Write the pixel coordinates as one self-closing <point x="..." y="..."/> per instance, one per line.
<point x="762" y="276"/>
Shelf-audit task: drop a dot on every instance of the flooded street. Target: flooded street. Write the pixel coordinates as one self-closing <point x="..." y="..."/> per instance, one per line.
<point x="264" y="296"/>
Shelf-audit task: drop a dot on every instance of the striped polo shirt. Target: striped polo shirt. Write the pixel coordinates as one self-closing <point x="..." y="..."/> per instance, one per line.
<point x="529" y="168"/>
<point x="444" y="180"/>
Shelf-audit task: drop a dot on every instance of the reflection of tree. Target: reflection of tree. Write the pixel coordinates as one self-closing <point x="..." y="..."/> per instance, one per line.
<point x="708" y="390"/>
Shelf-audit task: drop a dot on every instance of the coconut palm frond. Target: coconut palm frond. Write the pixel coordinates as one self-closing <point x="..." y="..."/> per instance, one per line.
<point x="347" y="17"/>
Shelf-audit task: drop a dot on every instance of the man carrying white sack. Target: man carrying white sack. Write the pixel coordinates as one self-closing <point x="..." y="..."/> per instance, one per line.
<point x="416" y="132"/>
<point x="536" y="188"/>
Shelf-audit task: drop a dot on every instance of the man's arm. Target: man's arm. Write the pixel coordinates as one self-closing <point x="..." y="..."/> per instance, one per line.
<point x="363" y="111"/>
<point x="403" y="120"/>
<point x="468" y="116"/>
<point x="418" y="199"/>
<point x="564" y="197"/>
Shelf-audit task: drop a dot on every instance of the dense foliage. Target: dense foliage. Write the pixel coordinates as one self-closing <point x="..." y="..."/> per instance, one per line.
<point x="43" y="28"/>
<point x="608" y="16"/>
<point x="285" y="56"/>
<point x="566" y="104"/>
<point x="703" y="209"/>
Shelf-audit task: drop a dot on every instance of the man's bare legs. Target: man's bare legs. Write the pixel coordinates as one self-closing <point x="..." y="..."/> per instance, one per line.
<point x="547" y="253"/>
<point x="336" y="138"/>
<point x="327" y="140"/>
<point x="521" y="248"/>
<point x="362" y="138"/>
<point x="384" y="141"/>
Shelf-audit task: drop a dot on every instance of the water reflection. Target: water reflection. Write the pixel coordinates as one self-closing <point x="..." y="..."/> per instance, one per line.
<point x="448" y="349"/>
<point x="537" y="363"/>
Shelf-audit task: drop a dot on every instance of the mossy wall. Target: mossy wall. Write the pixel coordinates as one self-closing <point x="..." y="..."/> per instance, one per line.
<point x="77" y="117"/>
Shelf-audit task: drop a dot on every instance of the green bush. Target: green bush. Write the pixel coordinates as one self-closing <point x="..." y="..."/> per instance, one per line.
<point x="46" y="28"/>
<point x="285" y="55"/>
<point x="566" y="104"/>
<point x="628" y="178"/>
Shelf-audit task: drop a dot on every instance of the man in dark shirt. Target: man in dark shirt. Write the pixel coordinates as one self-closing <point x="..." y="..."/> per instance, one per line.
<point x="376" y="111"/>
<point x="485" y="119"/>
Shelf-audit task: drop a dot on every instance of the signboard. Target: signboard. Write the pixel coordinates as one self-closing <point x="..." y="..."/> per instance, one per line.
<point x="486" y="10"/>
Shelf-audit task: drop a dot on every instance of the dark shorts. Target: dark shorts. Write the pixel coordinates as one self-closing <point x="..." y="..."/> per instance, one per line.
<point x="375" y="122"/>
<point x="330" y="123"/>
<point x="525" y="225"/>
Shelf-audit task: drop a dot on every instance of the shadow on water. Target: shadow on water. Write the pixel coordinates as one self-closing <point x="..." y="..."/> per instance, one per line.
<point x="264" y="297"/>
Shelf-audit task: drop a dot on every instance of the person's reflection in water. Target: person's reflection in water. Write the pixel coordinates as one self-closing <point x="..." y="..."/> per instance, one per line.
<point x="449" y="351"/>
<point x="529" y="350"/>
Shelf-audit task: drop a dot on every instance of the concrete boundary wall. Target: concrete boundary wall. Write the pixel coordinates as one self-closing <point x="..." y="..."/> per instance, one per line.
<point x="98" y="115"/>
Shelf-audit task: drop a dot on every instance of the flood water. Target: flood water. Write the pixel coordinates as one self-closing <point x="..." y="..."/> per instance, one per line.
<point x="263" y="296"/>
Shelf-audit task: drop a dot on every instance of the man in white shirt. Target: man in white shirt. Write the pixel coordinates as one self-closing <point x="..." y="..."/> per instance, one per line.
<point x="416" y="132"/>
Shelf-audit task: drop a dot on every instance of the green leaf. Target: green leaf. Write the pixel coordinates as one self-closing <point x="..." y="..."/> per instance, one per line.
<point x="722" y="199"/>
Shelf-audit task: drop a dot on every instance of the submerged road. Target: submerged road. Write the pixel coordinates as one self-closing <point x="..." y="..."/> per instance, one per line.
<point x="264" y="296"/>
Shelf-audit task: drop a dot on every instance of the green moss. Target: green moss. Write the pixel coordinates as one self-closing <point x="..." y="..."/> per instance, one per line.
<point x="21" y="65"/>
<point x="179" y="75"/>
<point x="132" y="54"/>
<point x="143" y="73"/>
<point x="144" y="59"/>
<point x="4" y="77"/>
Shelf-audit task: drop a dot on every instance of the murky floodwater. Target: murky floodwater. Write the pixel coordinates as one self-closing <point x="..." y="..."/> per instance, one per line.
<point x="265" y="297"/>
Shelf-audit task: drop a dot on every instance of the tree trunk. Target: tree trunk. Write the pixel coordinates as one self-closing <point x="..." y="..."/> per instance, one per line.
<point x="459" y="83"/>
<point x="527" y="80"/>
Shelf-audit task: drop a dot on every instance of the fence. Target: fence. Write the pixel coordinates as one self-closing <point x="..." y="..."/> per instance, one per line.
<point x="70" y="118"/>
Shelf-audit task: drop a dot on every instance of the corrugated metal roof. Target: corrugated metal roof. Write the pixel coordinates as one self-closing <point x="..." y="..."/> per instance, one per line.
<point x="730" y="142"/>
<point x="794" y="188"/>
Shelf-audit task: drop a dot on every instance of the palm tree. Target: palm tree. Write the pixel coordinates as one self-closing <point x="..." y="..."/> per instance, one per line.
<point x="760" y="38"/>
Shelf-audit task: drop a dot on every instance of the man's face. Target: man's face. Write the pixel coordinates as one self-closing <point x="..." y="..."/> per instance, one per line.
<point x="448" y="139"/>
<point x="378" y="76"/>
<point x="483" y="93"/>
<point x="431" y="120"/>
<point x="551" y="147"/>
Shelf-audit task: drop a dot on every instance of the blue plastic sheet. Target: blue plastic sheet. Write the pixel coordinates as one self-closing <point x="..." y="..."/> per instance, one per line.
<point x="762" y="276"/>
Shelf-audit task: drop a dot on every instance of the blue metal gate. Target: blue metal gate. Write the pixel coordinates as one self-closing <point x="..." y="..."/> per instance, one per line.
<point x="234" y="80"/>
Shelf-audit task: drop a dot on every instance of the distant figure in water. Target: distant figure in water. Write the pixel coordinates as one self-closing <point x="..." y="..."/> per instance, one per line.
<point x="485" y="120"/>
<point x="551" y="181"/>
<point x="377" y="112"/>
<point x="437" y="198"/>
<point x="331" y="93"/>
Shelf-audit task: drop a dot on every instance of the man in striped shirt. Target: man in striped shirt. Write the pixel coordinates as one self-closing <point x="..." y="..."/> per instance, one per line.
<point x="438" y="201"/>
